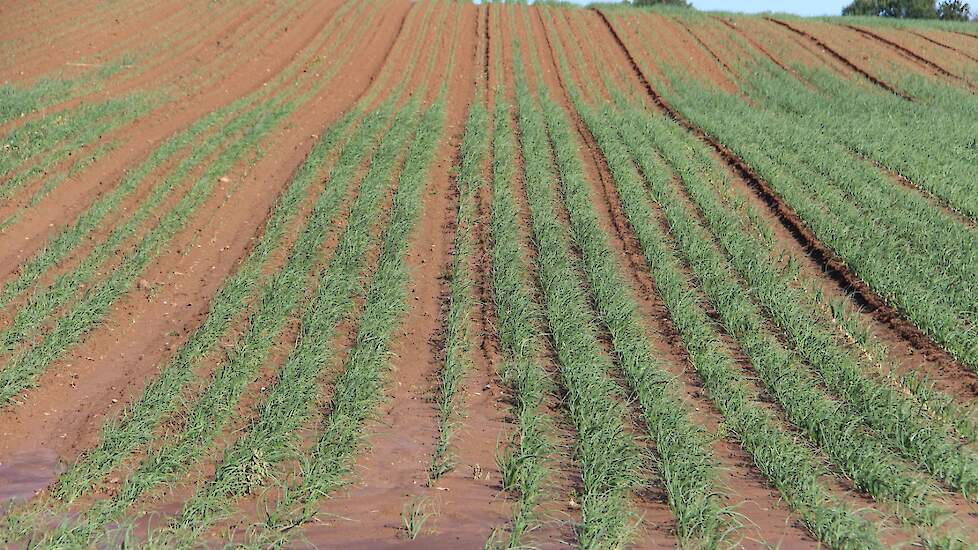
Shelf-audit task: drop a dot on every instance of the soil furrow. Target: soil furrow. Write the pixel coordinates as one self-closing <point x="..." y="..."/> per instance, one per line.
<point x="841" y="58"/>
<point x="910" y="54"/>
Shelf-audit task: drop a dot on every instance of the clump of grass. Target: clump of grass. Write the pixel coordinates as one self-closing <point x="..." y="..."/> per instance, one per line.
<point x="414" y="515"/>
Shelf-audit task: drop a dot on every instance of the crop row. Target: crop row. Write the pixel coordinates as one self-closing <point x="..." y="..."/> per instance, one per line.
<point x="685" y="460"/>
<point x="458" y="317"/>
<point x="240" y="135"/>
<point x="919" y="263"/>
<point x="525" y="463"/>
<point x="609" y="457"/>
<point x="137" y="426"/>
<point x="359" y="387"/>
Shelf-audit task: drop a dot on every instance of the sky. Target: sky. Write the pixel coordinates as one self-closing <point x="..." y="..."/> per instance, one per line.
<point x="799" y="7"/>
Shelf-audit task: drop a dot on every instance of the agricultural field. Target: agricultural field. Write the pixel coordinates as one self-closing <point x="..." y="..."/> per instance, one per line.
<point x="368" y="274"/>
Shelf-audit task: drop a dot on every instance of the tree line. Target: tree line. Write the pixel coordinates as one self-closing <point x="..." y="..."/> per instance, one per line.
<point x="949" y="10"/>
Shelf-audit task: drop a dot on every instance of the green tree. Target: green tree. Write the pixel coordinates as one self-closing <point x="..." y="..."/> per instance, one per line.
<point x="916" y="9"/>
<point x="954" y="10"/>
<point x="682" y="3"/>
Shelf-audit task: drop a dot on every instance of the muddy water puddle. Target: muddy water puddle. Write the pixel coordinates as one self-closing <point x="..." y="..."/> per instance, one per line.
<point x="22" y="475"/>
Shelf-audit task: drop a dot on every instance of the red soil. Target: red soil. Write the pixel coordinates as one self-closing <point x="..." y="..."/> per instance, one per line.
<point x="207" y="57"/>
<point x="895" y="44"/>
<point x="840" y="57"/>
<point x="110" y="367"/>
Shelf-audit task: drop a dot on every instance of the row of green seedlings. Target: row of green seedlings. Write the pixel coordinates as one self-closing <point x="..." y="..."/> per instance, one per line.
<point x="524" y="462"/>
<point x="315" y="231"/>
<point x="280" y="297"/>
<point x="909" y="214"/>
<point x="790" y="465"/>
<point x="269" y="436"/>
<point x="684" y="458"/>
<point x="65" y="242"/>
<point x="360" y="386"/>
<point x="610" y="459"/>
<point x="83" y="123"/>
<point x="856" y="333"/>
<point x="19" y="101"/>
<point x="331" y="316"/>
<point x="893" y="414"/>
<point x="273" y="435"/>
<point x="926" y="139"/>
<point x="927" y="281"/>
<point x="39" y="147"/>
<point x="457" y="321"/>
<point x="830" y="424"/>
<point x="137" y="426"/>
<point x="455" y="334"/>
<point x="21" y="370"/>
